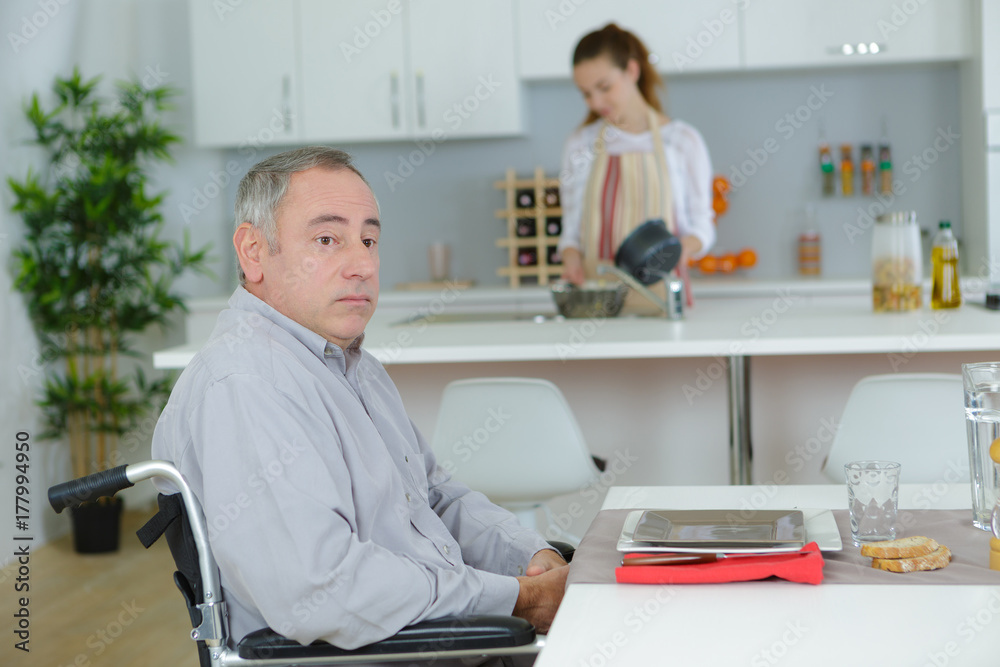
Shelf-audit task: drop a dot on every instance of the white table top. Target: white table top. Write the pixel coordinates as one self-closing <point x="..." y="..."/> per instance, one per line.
<point x="775" y="622"/>
<point x="780" y="324"/>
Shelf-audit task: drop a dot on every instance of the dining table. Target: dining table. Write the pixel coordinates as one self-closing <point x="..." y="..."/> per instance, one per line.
<point x="857" y="615"/>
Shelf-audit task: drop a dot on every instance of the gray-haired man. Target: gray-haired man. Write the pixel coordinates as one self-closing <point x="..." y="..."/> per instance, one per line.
<point x="329" y="516"/>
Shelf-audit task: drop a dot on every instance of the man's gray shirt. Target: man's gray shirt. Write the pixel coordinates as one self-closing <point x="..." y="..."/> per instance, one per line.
<point x="327" y="512"/>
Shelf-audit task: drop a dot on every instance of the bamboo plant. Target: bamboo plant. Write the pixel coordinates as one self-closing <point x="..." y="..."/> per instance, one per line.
<point x="92" y="266"/>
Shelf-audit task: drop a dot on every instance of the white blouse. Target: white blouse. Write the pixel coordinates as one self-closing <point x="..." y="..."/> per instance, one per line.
<point x="687" y="160"/>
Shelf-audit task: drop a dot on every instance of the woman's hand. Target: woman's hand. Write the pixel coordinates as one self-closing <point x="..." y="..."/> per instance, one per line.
<point x="573" y="266"/>
<point x="690" y="246"/>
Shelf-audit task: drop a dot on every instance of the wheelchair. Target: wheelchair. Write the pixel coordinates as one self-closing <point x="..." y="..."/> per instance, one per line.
<point x="181" y="519"/>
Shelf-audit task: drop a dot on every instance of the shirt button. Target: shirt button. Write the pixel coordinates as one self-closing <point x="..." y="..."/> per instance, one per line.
<point x="446" y="549"/>
<point x="407" y="497"/>
<point x="520" y="570"/>
<point x="406" y="458"/>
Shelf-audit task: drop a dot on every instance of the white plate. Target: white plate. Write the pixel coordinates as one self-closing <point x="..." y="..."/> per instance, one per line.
<point x="820" y="527"/>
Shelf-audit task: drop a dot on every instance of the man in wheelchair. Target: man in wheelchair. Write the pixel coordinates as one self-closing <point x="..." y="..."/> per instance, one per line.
<point x="327" y="513"/>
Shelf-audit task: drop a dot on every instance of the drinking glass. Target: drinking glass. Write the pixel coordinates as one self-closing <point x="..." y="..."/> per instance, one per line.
<point x="982" y="421"/>
<point x="873" y="499"/>
<point x="439" y="261"/>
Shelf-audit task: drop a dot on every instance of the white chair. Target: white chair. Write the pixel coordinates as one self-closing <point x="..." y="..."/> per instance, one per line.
<point x="514" y="440"/>
<point x="916" y="419"/>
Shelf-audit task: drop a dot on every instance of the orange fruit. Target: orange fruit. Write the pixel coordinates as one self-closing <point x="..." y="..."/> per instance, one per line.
<point x="747" y="258"/>
<point x="708" y="264"/>
<point x="727" y="263"/>
<point x="720" y="184"/>
<point x="995" y="450"/>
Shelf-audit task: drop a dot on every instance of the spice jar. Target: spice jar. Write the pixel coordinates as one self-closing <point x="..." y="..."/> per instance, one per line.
<point x="896" y="263"/>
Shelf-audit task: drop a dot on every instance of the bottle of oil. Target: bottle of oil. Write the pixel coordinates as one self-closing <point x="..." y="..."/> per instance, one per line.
<point x="945" y="291"/>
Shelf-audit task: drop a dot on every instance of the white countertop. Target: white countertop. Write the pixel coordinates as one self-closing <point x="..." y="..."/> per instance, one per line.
<point x="737" y="316"/>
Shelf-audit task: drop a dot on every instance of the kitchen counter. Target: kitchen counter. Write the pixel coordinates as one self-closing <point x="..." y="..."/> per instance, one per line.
<point x="730" y="317"/>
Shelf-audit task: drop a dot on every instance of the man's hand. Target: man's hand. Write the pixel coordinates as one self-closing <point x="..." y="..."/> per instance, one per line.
<point x="540" y="595"/>
<point x="543" y="561"/>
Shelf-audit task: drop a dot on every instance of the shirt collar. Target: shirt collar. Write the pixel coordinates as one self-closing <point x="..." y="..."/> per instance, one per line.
<point x="319" y="346"/>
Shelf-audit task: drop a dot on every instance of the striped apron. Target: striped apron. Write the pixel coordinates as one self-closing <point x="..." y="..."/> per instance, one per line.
<point x="623" y="191"/>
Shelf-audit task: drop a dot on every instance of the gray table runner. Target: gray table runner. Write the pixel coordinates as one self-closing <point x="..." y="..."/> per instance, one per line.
<point x="597" y="556"/>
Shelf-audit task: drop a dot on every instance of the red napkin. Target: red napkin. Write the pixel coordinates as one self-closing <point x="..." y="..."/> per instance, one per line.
<point x="792" y="566"/>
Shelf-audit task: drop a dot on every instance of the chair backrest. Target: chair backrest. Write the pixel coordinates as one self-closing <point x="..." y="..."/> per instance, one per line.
<point x="916" y="419"/>
<point x="513" y="439"/>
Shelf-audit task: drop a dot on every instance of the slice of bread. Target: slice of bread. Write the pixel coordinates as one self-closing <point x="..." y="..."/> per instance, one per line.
<point x="932" y="561"/>
<point x="905" y="547"/>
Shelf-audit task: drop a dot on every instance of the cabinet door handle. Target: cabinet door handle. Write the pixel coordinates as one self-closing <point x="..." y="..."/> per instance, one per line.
<point x="286" y="102"/>
<point x="421" y="107"/>
<point x="394" y="98"/>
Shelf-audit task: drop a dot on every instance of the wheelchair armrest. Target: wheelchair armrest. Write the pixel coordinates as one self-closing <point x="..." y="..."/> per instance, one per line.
<point x="444" y="634"/>
<point x="565" y="549"/>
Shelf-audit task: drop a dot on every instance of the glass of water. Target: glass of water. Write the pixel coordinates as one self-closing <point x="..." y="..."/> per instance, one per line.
<point x="873" y="498"/>
<point x="982" y="420"/>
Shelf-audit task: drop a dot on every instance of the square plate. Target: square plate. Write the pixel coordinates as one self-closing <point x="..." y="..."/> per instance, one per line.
<point x="718" y="531"/>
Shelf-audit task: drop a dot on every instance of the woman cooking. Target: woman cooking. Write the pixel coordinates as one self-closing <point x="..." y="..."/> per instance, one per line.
<point x="629" y="162"/>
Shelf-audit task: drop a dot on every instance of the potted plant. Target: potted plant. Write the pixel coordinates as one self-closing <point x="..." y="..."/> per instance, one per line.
<point x="94" y="272"/>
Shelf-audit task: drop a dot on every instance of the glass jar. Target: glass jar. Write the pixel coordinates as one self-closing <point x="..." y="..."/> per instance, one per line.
<point x="896" y="263"/>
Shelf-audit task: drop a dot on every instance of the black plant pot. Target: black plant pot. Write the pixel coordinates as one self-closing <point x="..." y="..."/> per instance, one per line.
<point x="96" y="526"/>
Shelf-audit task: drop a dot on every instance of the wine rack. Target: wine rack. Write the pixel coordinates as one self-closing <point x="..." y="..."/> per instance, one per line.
<point x="534" y="223"/>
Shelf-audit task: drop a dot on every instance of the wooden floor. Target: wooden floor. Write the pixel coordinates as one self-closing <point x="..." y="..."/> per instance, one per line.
<point x="108" y="610"/>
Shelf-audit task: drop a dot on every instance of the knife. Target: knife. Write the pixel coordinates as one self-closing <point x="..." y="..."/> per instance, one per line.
<point x="692" y="559"/>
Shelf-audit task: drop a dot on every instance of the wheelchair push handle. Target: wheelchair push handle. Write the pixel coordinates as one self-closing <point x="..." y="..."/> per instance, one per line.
<point x="78" y="491"/>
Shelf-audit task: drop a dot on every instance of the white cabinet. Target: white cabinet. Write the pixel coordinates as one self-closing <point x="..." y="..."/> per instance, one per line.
<point x="352" y="70"/>
<point x="805" y="33"/>
<point x="436" y="68"/>
<point x="685" y="36"/>
<point x="464" y="72"/>
<point x="301" y="71"/>
<point x="244" y="74"/>
<point x="991" y="58"/>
